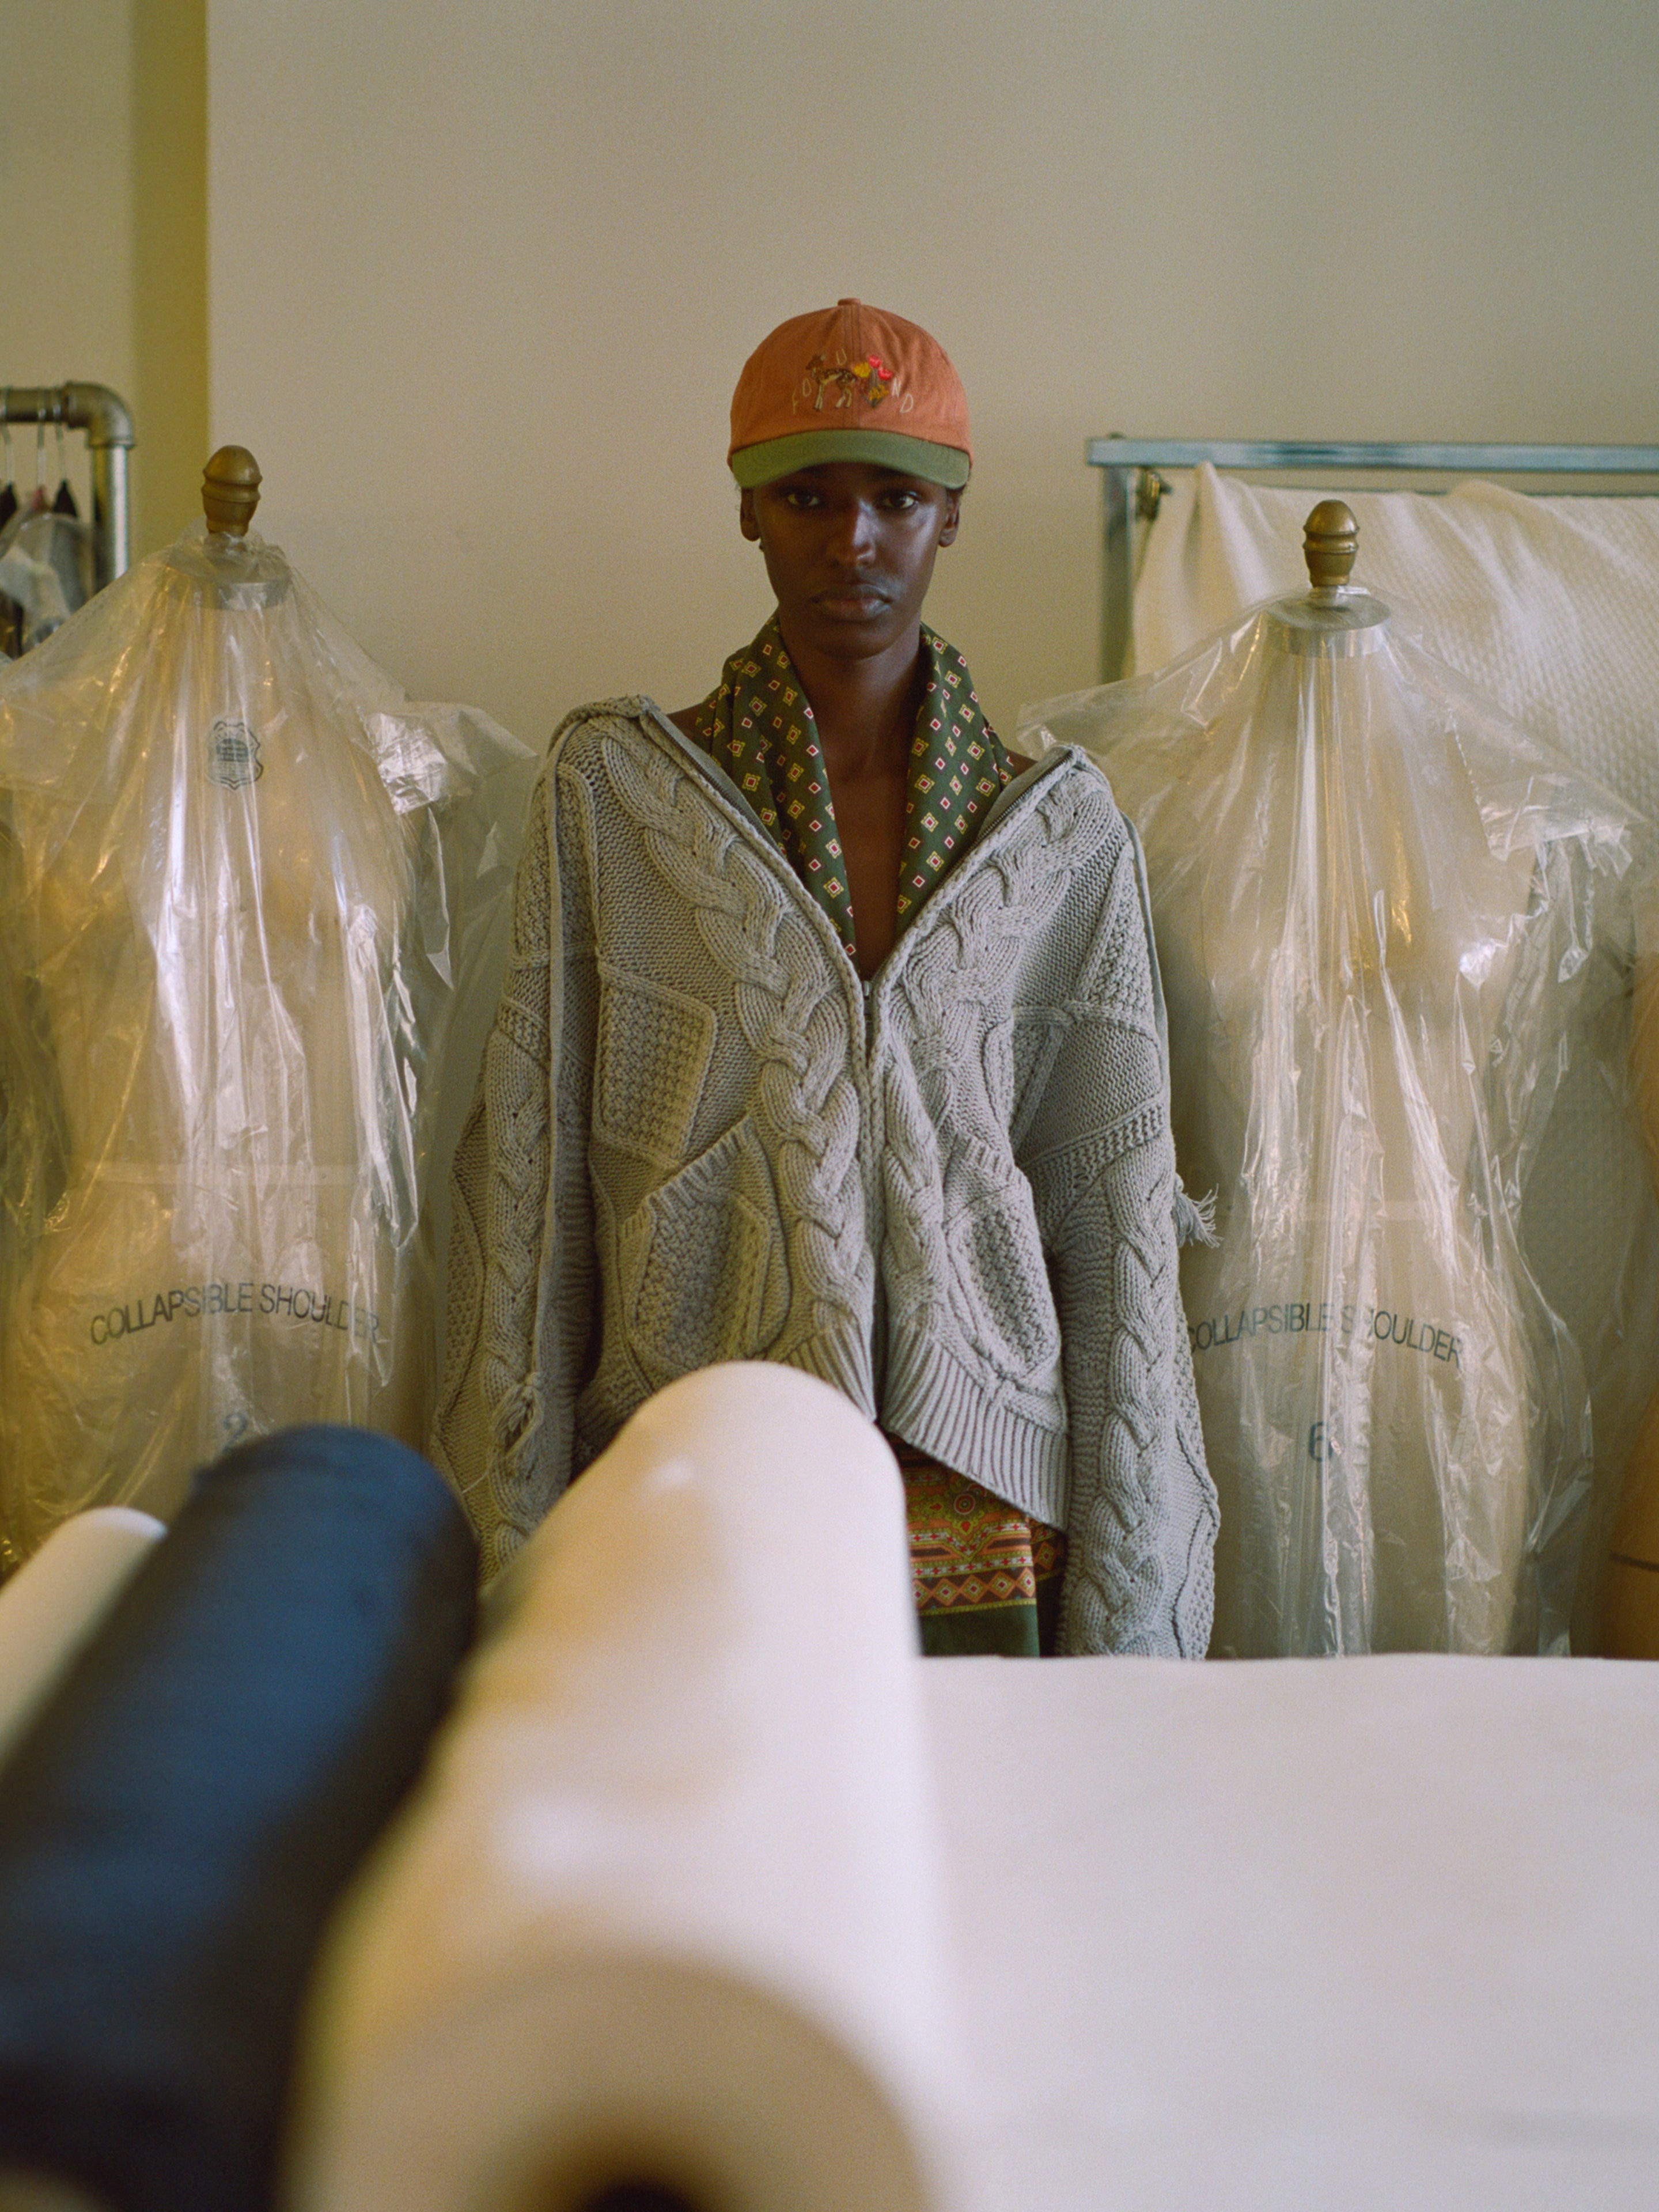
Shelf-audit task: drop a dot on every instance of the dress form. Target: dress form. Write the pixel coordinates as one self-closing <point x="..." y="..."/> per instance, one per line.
<point x="210" y="932"/>
<point x="1334" y="998"/>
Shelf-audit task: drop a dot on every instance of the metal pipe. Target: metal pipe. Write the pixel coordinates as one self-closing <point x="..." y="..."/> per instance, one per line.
<point x="107" y="421"/>
<point x="112" y="520"/>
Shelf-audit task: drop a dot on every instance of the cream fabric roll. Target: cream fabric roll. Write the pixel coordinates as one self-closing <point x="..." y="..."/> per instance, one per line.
<point x="53" y="1603"/>
<point x="664" y="1908"/>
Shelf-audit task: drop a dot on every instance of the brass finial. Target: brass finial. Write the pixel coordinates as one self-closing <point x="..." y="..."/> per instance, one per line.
<point x="230" y="490"/>
<point x="1331" y="545"/>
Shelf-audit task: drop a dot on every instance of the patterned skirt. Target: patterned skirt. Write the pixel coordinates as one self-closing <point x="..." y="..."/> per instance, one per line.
<point x="986" y="1576"/>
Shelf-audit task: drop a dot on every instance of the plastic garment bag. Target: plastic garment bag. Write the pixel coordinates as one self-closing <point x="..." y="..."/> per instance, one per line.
<point x="1374" y="900"/>
<point x="244" y="886"/>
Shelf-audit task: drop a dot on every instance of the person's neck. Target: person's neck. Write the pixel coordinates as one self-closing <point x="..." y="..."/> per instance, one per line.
<point x="865" y="709"/>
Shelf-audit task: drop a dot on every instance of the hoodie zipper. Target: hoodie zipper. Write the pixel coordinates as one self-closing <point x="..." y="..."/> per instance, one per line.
<point x="875" y="1126"/>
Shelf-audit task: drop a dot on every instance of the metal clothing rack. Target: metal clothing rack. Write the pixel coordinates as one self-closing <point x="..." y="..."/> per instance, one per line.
<point x="107" y="422"/>
<point x="1133" y="488"/>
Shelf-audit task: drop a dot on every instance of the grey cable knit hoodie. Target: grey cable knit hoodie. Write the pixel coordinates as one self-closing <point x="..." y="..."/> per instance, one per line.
<point x="950" y="1192"/>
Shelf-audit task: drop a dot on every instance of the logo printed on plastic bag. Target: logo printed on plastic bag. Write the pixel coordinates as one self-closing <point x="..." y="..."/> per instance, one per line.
<point x="234" y="756"/>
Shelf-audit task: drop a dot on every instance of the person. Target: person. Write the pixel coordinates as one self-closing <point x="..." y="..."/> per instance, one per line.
<point x="832" y="1035"/>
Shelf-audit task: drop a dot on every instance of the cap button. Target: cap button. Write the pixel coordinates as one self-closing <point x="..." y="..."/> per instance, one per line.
<point x="849" y="303"/>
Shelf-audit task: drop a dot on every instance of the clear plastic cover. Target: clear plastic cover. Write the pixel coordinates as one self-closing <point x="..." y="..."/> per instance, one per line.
<point x="1375" y="903"/>
<point x="245" y="885"/>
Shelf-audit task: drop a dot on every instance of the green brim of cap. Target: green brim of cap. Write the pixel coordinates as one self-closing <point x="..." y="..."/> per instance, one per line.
<point x="889" y="449"/>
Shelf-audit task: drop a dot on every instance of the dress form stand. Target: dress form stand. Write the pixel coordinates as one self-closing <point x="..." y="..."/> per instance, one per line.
<point x="1378" y="904"/>
<point x="1630" y="1602"/>
<point x="1361" y="1372"/>
<point x="213" y="913"/>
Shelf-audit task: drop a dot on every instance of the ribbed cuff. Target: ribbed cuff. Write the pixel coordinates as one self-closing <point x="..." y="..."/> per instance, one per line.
<point x="951" y="1414"/>
<point x="840" y="1360"/>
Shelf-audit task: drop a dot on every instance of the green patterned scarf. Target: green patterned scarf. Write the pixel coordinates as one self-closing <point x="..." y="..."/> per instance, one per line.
<point x="757" y="723"/>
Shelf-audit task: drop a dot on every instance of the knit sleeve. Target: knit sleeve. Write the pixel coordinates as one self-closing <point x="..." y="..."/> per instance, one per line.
<point x="1142" y="1520"/>
<point x="521" y="1256"/>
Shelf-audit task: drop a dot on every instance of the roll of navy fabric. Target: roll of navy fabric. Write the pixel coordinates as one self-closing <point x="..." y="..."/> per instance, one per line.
<point x="181" y="1817"/>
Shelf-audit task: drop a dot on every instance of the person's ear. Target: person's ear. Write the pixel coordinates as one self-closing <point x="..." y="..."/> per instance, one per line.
<point x="947" y="529"/>
<point x="746" y="521"/>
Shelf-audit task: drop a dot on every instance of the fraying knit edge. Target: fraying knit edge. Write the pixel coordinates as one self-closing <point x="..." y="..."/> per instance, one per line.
<point x="1194" y="1218"/>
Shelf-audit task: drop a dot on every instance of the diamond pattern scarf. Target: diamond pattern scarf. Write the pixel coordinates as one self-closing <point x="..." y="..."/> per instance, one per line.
<point x="757" y="723"/>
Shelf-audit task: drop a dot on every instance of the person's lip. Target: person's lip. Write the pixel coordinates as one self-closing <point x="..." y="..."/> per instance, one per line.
<point x="850" y="601"/>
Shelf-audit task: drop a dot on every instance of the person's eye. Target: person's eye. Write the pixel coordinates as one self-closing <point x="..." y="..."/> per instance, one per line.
<point x="900" y="503"/>
<point x="802" y="502"/>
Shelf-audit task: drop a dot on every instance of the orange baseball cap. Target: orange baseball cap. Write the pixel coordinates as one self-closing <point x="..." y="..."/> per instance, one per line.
<point x="849" y="383"/>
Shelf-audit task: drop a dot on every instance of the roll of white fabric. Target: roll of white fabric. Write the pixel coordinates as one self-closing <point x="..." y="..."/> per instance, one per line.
<point x="55" y="1601"/>
<point x="663" y="1911"/>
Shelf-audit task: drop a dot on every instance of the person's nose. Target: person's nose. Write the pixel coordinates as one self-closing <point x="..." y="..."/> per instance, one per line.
<point x="853" y="536"/>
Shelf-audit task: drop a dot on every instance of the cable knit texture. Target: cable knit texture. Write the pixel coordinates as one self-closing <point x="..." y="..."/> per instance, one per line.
<point x="951" y="1193"/>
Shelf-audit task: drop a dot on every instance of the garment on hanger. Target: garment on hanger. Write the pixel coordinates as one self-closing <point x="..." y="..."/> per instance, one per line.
<point x="244" y="886"/>
<point x="1374" y="900"/>
<point x="45" y="568"/>
<point x="11" y="614"/>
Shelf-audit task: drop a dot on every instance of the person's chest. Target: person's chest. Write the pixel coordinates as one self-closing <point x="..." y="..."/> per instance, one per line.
<point x="869" y="825"/>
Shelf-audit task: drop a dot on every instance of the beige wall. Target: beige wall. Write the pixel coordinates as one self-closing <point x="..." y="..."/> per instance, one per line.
<point x="66" y="193"/>
<point x="482" y="276"/>
<point x="169" y="256"/>
<point x="103" y="229"/>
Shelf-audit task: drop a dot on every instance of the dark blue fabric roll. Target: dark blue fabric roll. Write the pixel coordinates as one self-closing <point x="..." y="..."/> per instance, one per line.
<point x="184" y="1812"/>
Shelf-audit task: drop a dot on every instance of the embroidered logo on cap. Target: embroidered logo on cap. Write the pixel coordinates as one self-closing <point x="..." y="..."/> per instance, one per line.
<point x="869" y="379"/>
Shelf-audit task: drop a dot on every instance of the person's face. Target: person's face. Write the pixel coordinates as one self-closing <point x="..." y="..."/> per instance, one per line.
<point x="849" y="549"/>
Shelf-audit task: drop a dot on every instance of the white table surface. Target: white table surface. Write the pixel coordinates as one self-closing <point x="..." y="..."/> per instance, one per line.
<point x="1363" y="1934"/>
